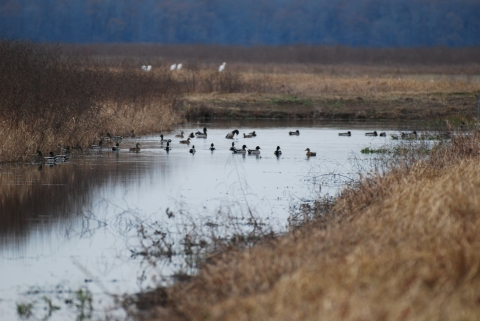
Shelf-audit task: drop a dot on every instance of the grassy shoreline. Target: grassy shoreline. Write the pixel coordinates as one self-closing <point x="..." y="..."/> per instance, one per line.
<point x="403" y="245"/>
<point x="393" y="107"/>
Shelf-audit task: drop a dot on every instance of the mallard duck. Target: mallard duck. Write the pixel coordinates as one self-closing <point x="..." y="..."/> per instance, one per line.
<point x="192" y="150"/>
<point x="192" y="135"/>
<point x="295" y="133"/>
<point x="180" y="135"/>
<point x="345" y="134"/>
<point x="253" y="134"/>
<point x="200" y="134"/>
<point x="409" y="135"/>
<point x="309" y="153"/>
<point x="164" y="140"/>
<point x="233" y="147"/>
<point x="116" y="148"/>
<point x="255" y="151"/>
<point x="383" y="134"/>
<point x="99" y="146"/>
<point x="135" y="149"/>
<point x="232" y="134"/>
<point x="247" y="136"/>
<point x="168" y="147"/>
<point x="212" y="148"/>
<point x="241" y="151"/>
<point x="372" y="134"/>
<point x="187" y="141"/>
<point x="278" y="152"/>
<point x="60" y="158"/>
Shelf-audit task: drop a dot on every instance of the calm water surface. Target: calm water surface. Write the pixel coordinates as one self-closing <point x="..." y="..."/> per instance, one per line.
<point x="73" y="225"/>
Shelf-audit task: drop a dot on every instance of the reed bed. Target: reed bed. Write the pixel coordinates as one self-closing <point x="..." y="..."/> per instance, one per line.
<point x="399" y="246"/>
<point x="49" y="101"/>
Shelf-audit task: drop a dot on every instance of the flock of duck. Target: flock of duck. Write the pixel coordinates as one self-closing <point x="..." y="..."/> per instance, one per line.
<point x="54" y="159"/>
<point x="243" y="150"/>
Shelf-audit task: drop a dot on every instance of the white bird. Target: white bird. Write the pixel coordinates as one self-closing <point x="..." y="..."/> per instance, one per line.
<point x="179" y="66"/>
<point x="173" y="67"/>
<point x="144" y="68"/>
<point x="222" y="67"/>
<point x="149" y="67"/>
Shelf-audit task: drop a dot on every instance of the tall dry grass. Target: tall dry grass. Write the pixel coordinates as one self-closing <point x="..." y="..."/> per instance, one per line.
<point x="48" y="100"/>
<point x="400" y="246"/>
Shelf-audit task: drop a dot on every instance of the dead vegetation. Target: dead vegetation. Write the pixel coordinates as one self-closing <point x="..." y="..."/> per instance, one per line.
<point x="398" y="246"/>
<point x="49" y="101"/>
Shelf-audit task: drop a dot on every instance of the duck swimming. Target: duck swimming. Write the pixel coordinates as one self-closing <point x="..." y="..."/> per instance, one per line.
<point x="136" y="149"/>
<point x="255" y="151"/>
<point x="242" y="151"/>
<point x="247" y="136"/>
<point x="200" y="134"/>
<point x="233" y="147"/>
<point x="164" y="140"/>
<point x="309" y="153"/>
<point x="212" y="148"/>
<point x="116" y="148"/>
<point x="345" y="134"/>
<point x="253" y="134"/>
<point x="168" y="147"/>
<point x="187" y="141"/>
<point x="232" y="134"/>
<point x="180" y="135"/>
<point x="383" y="134"/>
<point x="295" y="133"/>
<point x="192" y="150"/>
<point x="372" y="134"/>
<point x="191" y="135"/>
<point x="278" y="152"/>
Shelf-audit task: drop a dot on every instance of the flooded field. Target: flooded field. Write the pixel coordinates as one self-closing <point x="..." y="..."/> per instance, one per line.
<point x="74" y="226"/>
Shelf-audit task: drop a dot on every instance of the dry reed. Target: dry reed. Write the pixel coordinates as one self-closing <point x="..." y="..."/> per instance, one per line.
<point x="400" y="246"/>
<point x="49" y="101"/>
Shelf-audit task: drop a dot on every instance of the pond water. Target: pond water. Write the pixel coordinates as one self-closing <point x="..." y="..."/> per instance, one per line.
<point x="73" y="226"/>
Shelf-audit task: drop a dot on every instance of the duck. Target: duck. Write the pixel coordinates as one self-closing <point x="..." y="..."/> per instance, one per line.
<point x="135" y="149"/>
<point x="116" y="148"/>
<point x="295" y="133"/>
<point x="200" y="134"/>
<point x="247" y="136"/>
<point x="233" y="147"/>
<point x="168" y="147"/>
<point x="242" y="151"/>
<point x="383" y="134"/>
<point x="187" y="141"/>
<point x="212" y="148"/>
<point x="463" y="126"/>
<point x="99" y="146"/>
<point x="345" y="134"/>
<point x="60" y="158"/>
<point x="255" y="151"/>
<point x="179" y="135"/>
<point x="253" y="134"/>
<point x="192" y="150"/>
<point x="309" y="153"/>
<point x="114" y="138"/>
<point x="192" y="135"/>
<point x="278" y="152"/>
<point x="47" y="159"/>
<point x="164" y="140"/>
<point x="409" y="135"/>
<point x="372" y="134"/>
<point x="232" y="134"/>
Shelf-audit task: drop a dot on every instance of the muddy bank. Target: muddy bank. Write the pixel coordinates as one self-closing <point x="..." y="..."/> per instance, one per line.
<point x="244" y="106"/>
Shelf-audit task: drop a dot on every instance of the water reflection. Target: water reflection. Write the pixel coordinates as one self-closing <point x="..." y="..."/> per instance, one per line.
<point x="84" y="213"/>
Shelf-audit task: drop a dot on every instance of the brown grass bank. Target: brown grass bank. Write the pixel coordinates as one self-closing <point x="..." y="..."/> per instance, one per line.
<point x="403" y="246"/>
<point x="49" y="101"/>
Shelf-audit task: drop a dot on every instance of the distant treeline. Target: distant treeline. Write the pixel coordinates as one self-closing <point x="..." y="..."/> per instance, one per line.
<point x="294" y="54"/>
<point x="371" y="23"/>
